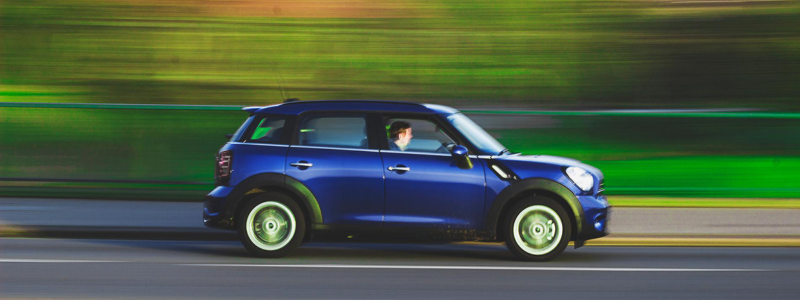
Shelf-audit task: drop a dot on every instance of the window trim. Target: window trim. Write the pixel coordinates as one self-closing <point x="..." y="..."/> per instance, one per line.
<point x="260" y="144"/>
<point x="334" y="148"/>
<point x="417" y="153"/>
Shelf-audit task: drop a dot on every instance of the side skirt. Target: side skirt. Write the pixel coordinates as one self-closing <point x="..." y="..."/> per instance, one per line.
<point x="322" y="232"/>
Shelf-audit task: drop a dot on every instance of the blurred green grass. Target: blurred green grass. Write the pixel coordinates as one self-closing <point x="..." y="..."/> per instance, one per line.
<point x="734" y="158"/>
<point x="643" y="201"/>
<point x="113" y="144"/>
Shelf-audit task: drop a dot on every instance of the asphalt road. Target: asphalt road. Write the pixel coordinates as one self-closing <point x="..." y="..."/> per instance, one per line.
<point x="115" y="269"/>
<point x="125" y="269"/>
<point x="187" y="216"/>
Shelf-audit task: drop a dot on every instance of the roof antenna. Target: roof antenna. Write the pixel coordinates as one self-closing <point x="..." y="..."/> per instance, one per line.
<point x="280" y="87"/>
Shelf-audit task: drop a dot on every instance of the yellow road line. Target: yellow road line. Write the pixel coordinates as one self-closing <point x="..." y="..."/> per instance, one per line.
<point x="695" y="242"/>
<point x="680" y="242"/>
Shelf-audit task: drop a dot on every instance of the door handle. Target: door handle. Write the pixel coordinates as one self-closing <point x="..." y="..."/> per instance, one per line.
<point x="399" y="168"/>
<point x="301" y="164"/>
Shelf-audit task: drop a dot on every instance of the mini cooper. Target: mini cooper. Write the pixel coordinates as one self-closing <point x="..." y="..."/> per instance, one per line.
<point x="307" y="169"/>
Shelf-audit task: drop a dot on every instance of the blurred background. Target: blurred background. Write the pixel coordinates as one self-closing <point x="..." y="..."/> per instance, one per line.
<point x="668" y="98"/>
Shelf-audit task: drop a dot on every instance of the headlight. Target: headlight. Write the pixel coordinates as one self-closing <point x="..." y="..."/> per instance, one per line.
<point x="581" y="178"/>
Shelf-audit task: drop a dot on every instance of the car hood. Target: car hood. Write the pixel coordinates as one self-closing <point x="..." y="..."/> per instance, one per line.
<point x="519" y="163"/>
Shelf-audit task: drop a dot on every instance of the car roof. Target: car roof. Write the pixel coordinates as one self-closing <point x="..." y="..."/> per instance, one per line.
<point x="298" y="107"/>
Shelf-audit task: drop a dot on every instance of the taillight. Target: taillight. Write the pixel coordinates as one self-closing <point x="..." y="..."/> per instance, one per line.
<point x="223" y="167"/>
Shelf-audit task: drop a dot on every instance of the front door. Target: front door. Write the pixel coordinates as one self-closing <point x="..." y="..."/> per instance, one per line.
<point x="424" y="186"/>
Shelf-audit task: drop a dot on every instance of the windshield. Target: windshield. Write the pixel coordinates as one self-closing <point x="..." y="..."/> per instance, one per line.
<point x="475" y="134"/>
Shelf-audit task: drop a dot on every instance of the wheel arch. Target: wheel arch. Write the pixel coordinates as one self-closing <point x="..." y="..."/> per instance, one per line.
<point x="273" y="182"/>
<point x="534" y="187"/>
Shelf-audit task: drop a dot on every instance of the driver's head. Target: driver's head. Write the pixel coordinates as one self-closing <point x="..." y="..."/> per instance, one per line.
<point x="400" y="131"/>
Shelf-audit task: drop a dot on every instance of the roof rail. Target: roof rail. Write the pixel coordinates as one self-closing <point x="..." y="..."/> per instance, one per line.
<point x="353" y="101"/>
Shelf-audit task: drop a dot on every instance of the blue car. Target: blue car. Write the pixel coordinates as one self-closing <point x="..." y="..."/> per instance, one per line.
<point x="389" y="169"/>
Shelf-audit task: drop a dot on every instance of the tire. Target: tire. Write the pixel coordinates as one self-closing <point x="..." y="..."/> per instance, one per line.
<point x="271" y="225"/>
<point x="537" y="229"/>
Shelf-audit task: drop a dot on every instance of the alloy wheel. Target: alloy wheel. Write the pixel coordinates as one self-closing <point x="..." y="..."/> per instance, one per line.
<point x="538" y="230"/>
<point x="270" y="225"/>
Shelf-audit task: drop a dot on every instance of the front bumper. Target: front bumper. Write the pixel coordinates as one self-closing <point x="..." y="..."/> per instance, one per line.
<point x="596" y="211"/>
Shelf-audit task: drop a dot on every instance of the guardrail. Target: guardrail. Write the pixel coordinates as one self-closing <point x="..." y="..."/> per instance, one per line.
<point x="120" y="106"/>
<point x="71" y="180"/>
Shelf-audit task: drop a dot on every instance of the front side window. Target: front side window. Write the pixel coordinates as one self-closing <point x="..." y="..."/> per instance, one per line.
<point x="334" y="131"/>
<point x="416" y="135"/>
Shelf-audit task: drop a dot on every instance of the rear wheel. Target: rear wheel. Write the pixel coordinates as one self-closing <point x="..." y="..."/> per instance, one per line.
<point x="271" y="225"/>
<point x="537" y="229"/>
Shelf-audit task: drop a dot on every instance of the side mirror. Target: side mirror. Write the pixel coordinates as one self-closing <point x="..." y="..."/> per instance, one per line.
<point x="229" y="136"/>
<point x="460" y="153"/>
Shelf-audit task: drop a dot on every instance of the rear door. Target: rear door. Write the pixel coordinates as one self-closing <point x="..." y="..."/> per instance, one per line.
<point x="331" y="155"/>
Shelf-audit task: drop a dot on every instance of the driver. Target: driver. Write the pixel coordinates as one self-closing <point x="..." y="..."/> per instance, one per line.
<point x="399" y="135"/>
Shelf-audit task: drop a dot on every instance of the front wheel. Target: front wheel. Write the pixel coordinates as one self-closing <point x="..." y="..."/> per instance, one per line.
<point x="537" y="229"/>
<point x="271" y="225"/>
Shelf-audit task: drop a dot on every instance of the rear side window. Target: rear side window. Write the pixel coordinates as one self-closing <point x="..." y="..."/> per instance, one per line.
<point x="267" y="130"/>
<point x="334" y="131"/>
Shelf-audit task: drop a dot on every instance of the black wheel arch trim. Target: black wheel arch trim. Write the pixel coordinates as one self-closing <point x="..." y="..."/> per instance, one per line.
<point x="522" y="187"/>
<point x="281" y="182"/>
<point x="307" y="198"/>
